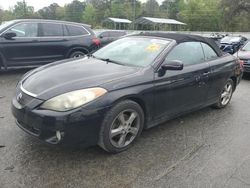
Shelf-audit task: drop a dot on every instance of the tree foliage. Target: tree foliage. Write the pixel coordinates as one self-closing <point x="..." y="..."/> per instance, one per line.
<point x="74" y="10"/>
<point x="202" y="15"/>
<point x="89" y="14"/>
<point x="22" y="10"/>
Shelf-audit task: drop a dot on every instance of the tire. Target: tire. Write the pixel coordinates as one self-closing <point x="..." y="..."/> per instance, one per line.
<point x="126" y="121"/>
<point x="77" y="54"/>
<point x="226" y="95"/>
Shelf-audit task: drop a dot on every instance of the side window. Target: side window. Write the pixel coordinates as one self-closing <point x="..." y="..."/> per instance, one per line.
<point x="209" y="52"/>
<point x="76" y="30"/>
<point x="51" y="30"/>
<point x="25" y="30"/>
<point x="188" y="53"/>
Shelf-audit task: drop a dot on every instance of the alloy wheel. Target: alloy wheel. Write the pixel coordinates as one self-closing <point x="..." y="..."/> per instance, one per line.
<point x="124" y="128"/>
<point x="227" y="94"/>
<point x="77" y="55"/>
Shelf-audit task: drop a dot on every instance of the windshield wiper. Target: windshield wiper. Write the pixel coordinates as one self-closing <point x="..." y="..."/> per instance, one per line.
<point x="108" y="60"/>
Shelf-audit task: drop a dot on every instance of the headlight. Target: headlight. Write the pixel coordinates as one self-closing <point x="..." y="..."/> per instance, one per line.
<point x="74" y="99"/>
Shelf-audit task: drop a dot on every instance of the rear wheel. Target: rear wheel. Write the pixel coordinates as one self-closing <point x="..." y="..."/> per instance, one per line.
<point x="121" y="126"/>
<point x="226" y="95"/>
<point x="77" y="54"/>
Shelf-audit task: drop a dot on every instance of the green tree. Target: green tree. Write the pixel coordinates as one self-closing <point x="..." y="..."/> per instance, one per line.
<point x="50" y="12"/>
<point x="200" y="15"/>
<point x="102" y="8"/>
<point x="170" y="8"/>
<point x="73" y="11"/>
<point x="233" y="12"/>
<point x="22" y="10"/>
<point x="89" y="14"/>
<point x="6" y="15"/>
<point x="151" y="8"/>
<point x="118" y="9"/>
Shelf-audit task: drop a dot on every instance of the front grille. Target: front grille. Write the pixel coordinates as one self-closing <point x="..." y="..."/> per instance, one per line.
<point x="23" y="98"/>
<point x="247" y="69"/>
<point x="246" y="62"/>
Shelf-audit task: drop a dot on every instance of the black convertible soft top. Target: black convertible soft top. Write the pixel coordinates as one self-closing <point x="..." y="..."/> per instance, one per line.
<point x="180" y="38"/>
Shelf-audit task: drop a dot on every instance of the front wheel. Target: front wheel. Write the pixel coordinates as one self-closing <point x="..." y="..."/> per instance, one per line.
<point x="77" y="54"/>
<point x="226" y="95"/>
<point x="122" y="125"/>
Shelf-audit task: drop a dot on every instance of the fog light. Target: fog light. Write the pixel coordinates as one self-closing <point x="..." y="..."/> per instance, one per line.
<point x="58" y="135"/>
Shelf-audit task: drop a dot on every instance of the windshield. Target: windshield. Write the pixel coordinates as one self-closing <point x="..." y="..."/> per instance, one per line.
<point x="230" y="39"/>
<point x="246" y="47"/>
<point x="5" y="24"/>
<point x="133" y="51"/>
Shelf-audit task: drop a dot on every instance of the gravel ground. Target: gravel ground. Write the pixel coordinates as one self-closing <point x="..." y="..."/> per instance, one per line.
<point x="208" y="148"/>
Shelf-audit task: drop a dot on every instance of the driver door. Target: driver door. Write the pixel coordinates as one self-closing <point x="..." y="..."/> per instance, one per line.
<point x="180" y="91"/>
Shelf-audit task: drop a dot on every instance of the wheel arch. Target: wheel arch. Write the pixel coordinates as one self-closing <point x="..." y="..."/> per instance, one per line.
<point x="137" y="99"/>
<point x="235" y="82"/>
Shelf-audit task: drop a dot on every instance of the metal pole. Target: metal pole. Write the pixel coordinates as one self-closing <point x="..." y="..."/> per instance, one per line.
<point x="134" y="14"/>
<point x="24" y="9"/>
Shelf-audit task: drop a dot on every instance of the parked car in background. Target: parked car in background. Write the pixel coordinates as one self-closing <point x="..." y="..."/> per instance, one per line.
<point x="34" y="42"/>
<point x="107" y="37"/>
<point x="132" y="84"/>
<point x="217" y="37"/>
<point x="231" y="44"/>
<point x="244" y="55"/>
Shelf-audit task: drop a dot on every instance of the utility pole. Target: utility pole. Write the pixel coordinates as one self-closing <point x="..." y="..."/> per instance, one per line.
<point x="134" y="2"/>
<point x="24" y="9"/>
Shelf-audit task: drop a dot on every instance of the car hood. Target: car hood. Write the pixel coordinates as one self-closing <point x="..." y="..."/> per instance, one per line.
<point x="57" y="78"/>
<point x="243" y="54"/>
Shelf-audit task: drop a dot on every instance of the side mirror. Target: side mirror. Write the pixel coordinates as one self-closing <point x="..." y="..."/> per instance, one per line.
<point x="100" y="36"/>
<point x="173" y="65"/>
<point x="9" y="35"/>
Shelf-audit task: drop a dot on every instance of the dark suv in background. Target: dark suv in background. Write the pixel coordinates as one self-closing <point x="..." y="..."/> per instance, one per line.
<point x="38" y="42"/>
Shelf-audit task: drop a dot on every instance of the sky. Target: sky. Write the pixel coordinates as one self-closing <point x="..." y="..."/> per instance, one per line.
<point x="37" y="4"/>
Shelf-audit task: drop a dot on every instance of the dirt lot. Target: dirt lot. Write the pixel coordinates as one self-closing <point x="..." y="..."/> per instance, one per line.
<point x="209" y="148"/>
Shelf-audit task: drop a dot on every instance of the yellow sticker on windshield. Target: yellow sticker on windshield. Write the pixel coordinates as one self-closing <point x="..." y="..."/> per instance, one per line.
<point x="153" y="47"/>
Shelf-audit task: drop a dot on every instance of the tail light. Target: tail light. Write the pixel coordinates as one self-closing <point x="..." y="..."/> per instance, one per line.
<point x="96" y="41"/>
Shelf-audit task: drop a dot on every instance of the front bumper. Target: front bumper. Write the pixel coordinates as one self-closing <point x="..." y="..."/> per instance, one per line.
<point x="79" y="126"/>
<point x="246" y="65"/>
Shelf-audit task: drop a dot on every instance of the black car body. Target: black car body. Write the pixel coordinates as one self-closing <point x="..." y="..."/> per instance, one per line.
<point x="232" y="44"/>
<point x="244" y="55"/>
<point x="109" y="36"/>
<point x="37" y="42"/>
<point x="163" y="91"/>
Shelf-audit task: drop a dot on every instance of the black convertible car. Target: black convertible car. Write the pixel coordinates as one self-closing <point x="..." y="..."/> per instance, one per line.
<point x="131" y="84"/>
